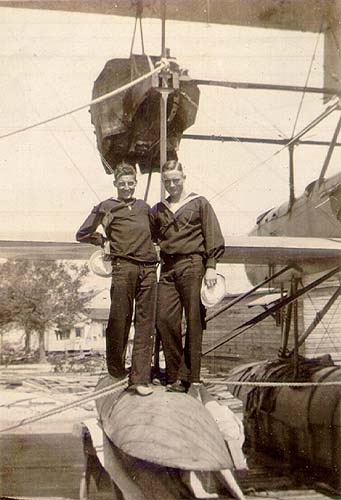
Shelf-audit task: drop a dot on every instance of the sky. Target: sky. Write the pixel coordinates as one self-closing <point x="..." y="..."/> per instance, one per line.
<point x="52" y="176"/>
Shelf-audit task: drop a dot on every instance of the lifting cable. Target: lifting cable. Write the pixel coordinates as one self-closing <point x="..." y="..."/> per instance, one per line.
<point x="138" y="16"/>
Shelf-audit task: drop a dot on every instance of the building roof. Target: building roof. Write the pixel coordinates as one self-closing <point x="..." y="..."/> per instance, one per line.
<point x="99" y="314"/>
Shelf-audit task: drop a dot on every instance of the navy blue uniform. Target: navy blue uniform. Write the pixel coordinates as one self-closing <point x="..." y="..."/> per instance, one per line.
<point x="133" y="256"/>
<point x="190" y="241"/>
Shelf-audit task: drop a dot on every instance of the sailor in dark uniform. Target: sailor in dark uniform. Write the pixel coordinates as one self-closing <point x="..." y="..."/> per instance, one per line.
<point x="127" y="227"/>
<point x="190" y="239"/>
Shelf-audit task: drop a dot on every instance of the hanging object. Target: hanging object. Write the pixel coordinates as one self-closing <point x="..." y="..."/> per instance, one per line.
<point x="127" y="126"/>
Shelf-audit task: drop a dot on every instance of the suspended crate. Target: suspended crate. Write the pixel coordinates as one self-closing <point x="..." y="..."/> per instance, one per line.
<point x="127" y="126"/>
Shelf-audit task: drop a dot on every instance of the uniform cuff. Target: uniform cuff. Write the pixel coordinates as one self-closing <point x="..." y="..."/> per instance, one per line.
<point x="211" y="263"/>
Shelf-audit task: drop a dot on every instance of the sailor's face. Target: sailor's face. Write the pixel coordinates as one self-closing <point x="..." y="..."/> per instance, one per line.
<point x="125" y="186"/>
<point x="173" y="181"/>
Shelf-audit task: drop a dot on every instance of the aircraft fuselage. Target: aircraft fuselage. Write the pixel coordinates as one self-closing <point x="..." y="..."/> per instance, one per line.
<point x="314" y="214"/>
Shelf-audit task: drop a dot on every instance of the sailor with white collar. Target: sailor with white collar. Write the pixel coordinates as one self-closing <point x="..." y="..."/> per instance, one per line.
<point x="191" y="242"/>
<point x="126" y="223"/>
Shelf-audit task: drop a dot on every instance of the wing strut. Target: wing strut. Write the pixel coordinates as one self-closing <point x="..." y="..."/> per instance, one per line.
<point x="246" y="294"/>
<point x="287" y="323"/>
<point x="268" y="86"/>
<point x="253" y="140"/>
<point x="330" y="152"/>
<point x="286" y="301"/>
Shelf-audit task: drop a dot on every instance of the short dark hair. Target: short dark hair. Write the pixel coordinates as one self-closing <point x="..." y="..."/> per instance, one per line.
<point x="124" y="168"/>
<point x="171" y="165"/>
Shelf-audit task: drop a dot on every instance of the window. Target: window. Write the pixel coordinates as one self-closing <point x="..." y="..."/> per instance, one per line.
<point x="62" y="334"/>
<point x="78" y="332"/>
<point x="104" y="329"/>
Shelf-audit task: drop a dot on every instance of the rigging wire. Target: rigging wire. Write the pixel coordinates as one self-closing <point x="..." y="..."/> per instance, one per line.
<point x="248" y="150"/>
<point x="317" y="120"/>
<point x="250" y="171"/>
<point x="138" y="17"/>
<point x="163" y="64"/>
<point x="307" y="79"/>
<point x="54" y="135"/>
<point x="325" y="327"/>
<point x="141" y="33"/>
<point x="294" y="127"/>
<point x="75" y="165"/>
<point x="262" y="115"/>
<point x="133" y="38"/>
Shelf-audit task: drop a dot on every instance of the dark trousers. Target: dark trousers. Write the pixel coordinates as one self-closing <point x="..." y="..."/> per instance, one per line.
<point x="178" y="290"/>
<point x="131" y="281"/>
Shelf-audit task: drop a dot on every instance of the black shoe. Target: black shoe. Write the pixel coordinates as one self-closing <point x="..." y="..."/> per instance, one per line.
<point x="177" y="386"/>
<point x="118" y="377"/>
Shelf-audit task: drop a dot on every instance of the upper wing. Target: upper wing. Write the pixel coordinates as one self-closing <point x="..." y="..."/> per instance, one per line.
<point x="264" y="13"/>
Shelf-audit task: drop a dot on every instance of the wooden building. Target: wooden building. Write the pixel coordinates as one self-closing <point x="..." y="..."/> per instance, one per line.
<point x="263" y="340"/>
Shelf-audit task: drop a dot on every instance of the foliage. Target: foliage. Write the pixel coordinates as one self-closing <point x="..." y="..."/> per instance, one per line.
<point x="37" y="295"/>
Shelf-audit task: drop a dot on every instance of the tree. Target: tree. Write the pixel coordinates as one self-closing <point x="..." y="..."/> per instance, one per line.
<point x="37" y="295"/>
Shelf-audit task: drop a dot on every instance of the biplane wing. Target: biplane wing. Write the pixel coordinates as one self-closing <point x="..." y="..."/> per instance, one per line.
<point x="263" y="13"/>
<point x="253" y="250"/>
<point x="306" y="15"/>
<point x="285" y="250"/>
<point x="45" y="250"/>
<point x="265" y="256"/>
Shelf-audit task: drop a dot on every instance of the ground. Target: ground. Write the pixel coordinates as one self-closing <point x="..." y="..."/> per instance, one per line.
<point x="45" y="458"/>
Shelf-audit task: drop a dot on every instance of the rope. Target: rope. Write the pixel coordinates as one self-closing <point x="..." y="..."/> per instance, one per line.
<point x="277" y="384"/>
<point x="69" y="406"/>
<point x="163" y="64"/>
<point x="119" y="386"/>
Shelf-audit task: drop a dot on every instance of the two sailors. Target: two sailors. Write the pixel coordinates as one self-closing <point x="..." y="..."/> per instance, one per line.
<point x="187" y="231"/>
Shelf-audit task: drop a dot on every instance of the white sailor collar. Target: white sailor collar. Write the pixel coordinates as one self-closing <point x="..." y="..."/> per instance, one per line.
<point x="181" y="204"/>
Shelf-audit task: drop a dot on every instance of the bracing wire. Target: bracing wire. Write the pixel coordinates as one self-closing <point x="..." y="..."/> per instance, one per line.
<point x="133" y="37"/>
<point x="285" y="146"/>
<point x="251" y="170"/>
<point x="325" y="327"/>
<point x="138" y="17"/>
<point x="307" y="79"/>
<point x="66" y="152"/>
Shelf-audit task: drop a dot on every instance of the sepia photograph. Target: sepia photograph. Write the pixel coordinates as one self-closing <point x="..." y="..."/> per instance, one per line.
<point x="170" y="249"/>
